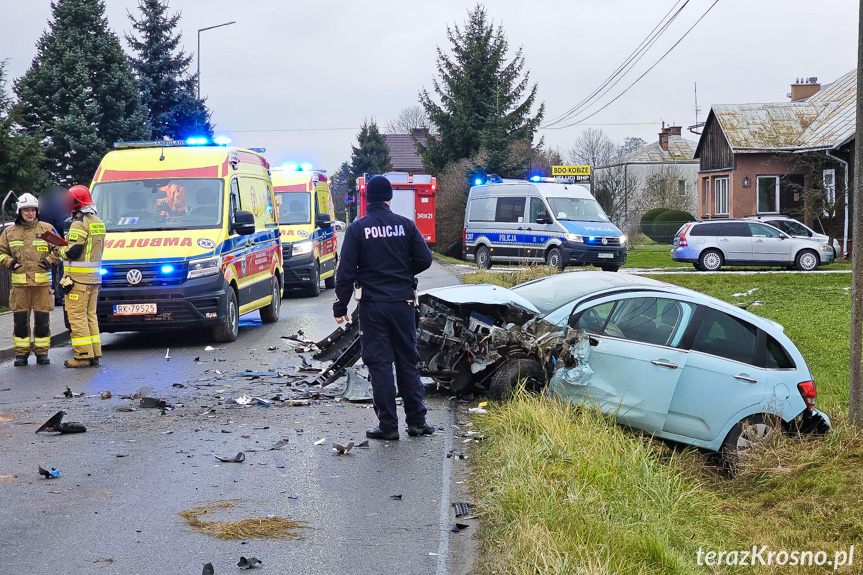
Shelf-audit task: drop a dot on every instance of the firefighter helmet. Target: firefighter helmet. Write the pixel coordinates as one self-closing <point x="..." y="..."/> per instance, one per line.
<point x="80" y="197"/>
<point x="27" y="201"/>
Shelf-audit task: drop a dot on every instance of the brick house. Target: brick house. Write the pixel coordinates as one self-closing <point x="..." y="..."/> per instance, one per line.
<point x="403" y="150"/>
<point x="793" y="158"/>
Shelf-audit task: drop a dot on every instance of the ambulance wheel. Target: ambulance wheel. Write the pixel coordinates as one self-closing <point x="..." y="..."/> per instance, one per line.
<point x="483" y="258"/>
<point x="330" y="282"/>
<point x="314" y="289"/>
<point x="554" y="259"/>
<point x="228" y="330"/>
<point x="270" y="313"/>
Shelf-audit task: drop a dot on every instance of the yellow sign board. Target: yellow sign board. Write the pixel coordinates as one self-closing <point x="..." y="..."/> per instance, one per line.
<point x="570" y="170"/>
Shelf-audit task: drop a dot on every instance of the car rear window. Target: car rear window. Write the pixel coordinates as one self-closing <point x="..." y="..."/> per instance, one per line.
<point x="705" y="229"/>
<point x="777" y="357"/>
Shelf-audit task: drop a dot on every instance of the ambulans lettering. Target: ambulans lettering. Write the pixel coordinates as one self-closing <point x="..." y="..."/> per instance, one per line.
<point x="384" y="231"/>
<point x="149" y="242"/>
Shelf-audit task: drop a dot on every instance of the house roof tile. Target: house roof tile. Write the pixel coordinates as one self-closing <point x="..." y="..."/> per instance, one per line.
<point x="403" y="152"/>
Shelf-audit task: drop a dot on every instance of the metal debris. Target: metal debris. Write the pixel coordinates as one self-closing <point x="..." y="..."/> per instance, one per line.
<point x="55" y="423"/>
<point x="238" y="458"/>
<point x="342" y="449"/>
<point x="52" y="473"/>
<point x="250" y="563"/>
<point x="462" y="508"/>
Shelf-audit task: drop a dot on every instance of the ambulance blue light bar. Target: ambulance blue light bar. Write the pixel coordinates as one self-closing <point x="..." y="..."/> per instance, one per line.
<point x="197" y="141"/>
<point x="221" y="140"/>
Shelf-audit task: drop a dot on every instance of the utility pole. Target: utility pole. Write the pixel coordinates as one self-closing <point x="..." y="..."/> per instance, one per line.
<point x="199" y="50"/>
<point x="855" y="380"/>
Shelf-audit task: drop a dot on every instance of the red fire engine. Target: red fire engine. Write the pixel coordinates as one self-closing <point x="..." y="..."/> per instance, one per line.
<point x="413" y="197"/>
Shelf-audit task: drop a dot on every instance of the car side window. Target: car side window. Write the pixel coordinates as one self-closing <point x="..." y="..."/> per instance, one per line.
<point x="705" y="230"/>
<point x="726" y="336"/>
<point x="593" y="319"/>
<point x="762" y="231"/>
<point x="510" y="210"/>
<point x="537" y="208"/>
<point x="735" y="229"/>
<point x="235" y="197"/>
<point x="777" y="357"/>
<point x="658" y="321"/>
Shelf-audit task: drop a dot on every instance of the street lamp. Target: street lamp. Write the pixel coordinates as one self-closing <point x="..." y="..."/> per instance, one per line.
<point x="199" y="50"/>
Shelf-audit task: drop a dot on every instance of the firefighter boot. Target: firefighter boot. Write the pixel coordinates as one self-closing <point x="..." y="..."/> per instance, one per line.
<point x="82" y="362"/>
<point x="43" y="360"/>
<point x="20" y="360"/>
<point x="94" y="361"/>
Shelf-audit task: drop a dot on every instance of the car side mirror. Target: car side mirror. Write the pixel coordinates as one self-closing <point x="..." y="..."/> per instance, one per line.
<point x="323" y="221"/>
<point x="244" y="223"/>
<point x="543" y="219"/>
<point x="783" y="237"/>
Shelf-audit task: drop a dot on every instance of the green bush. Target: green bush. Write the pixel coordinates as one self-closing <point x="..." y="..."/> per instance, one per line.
<point x="648" y="218"/>
<point x="666" y="224"/>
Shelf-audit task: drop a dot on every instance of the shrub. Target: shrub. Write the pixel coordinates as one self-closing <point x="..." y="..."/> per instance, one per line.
<point x="666" y="225"/>
<point x="648" y="218"/>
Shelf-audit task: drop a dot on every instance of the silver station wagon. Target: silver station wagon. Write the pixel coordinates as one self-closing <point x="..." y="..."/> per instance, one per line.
<point x="711" y="244"/>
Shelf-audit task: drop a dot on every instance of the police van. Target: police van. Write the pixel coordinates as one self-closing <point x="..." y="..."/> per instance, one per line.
<point x="191" y="238"/>
<point x="306" y="217"/>
<point x="554" y="221"/>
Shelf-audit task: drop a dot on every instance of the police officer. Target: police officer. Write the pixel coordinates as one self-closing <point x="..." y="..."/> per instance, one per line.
<point x="27" y="254"/>
<point x="81" y="282"/>
<point x="381" y="254"/>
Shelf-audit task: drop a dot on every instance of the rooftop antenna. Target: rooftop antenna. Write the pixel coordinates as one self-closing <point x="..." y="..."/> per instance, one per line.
<point x="694" y="128"/>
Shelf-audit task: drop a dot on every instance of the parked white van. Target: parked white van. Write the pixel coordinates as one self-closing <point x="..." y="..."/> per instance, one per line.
<point x="553" y="221"/>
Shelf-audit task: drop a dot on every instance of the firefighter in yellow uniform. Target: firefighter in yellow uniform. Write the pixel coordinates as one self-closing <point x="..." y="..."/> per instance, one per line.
<point x="81" y="282"/>
<point x="28" y="255"/>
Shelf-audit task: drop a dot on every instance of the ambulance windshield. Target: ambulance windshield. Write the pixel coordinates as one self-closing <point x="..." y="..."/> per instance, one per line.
<point x="295" y="208"/>
<point x="577" y="209"/>
<point x="137" y="205"/>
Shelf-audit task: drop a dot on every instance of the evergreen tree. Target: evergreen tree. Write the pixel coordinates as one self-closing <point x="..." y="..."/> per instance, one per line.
<point x="371" y="157"/>
<point x="339" y="189"/>
<point x="20" y="153"/>
<point x="485" y="100"/>
<point x="167" y="88"/>
<point x="79" y="93"/>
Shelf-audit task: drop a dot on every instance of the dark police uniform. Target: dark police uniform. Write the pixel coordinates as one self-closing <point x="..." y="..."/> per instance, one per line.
<point x="383" y="251"/>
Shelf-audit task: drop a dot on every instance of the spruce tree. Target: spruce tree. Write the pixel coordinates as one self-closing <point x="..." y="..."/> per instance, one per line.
<point x="79" y="92"/>
<point x="485" y="100"/>
<point x="20" y="153"/>
<point x="372" y="156"/>
<point x="167" y="88"/>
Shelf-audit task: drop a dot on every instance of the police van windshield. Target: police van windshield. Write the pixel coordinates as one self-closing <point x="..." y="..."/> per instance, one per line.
<point x="296" y="208"/>
<point x="138" y="205"/>
<point x="577" y="209"/>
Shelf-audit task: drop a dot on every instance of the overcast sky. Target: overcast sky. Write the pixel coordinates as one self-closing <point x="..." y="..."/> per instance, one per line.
<point x="298" y="78"/>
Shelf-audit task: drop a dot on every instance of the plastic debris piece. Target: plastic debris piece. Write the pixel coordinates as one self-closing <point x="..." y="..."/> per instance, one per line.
<point x="153" y="403"/>
<point x="321" y="441"/>
<point x="343" y="449"/>
<point x="272" y="348"/>
<point x="262" y="402"/>
<point x="456" y="527"/>
<point x="363" y="444"/>
<point x="178" y="385"/>
<point x="169" y="432"/>
<point x="397" y="497"/>
<point x="276" y="446"/>
<point x="297" y="402"/>
<point x="462" y="508"/>
<point x="55" y="423"/>
<point x="245" y="400"/>
<point x="208" y="569"/>
<point x="70" y="393"/>
<point x="105" y="395"/>
<point x="357" y="388"/>
<point x="250" y="563"/>
<point x="52" y="473"/>
<point x="238" y="458"/>
<point x="257" y="373"/>
<point x="455" y="454"/>
<point x="209" y="348"/>
<point x="168" y="355"/>
<point x="477" y="410"/>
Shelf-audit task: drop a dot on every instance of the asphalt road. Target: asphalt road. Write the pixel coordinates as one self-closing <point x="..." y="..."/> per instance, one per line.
<point x="114" y="509"/>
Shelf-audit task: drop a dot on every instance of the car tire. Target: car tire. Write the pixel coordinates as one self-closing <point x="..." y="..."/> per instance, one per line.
<point x="806" y="261"/>
<point x="314" y="288"/>
<point x="330" y="282"/>
<point x="513" y="373"/>
<point x="609" y="268"/>
<point x="755" y="429"/>
<point x="229" y="328"/>
<point x="697" y="266"/>
<point x="554" y="258"/>
<point x="710" y="261"/>
<point x="483" y="258"/>
<point x="270" y="313"/>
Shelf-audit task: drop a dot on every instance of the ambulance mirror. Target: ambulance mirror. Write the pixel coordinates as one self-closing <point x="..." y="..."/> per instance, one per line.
<point x="244" y="223"/>
<point x="323" y="221"/>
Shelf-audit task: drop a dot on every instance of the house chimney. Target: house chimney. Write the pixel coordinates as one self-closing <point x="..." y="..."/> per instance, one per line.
<point x="804" y="88"/>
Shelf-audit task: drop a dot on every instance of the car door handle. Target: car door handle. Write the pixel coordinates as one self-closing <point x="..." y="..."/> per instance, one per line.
<point x="723" y="240"/>
<point x="759" y="241"/>
<point x="664" y="364"/>
<point x="745" y="378"/>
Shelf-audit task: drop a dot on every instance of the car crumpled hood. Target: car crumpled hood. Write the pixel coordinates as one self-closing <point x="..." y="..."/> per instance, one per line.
<point x="486" y="294"/>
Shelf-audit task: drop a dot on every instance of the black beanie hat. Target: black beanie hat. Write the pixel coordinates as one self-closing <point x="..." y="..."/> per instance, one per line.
<point x="379" y="189"/>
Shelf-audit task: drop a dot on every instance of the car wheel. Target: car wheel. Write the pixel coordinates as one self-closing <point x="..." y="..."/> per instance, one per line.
<point x="330" y="282"/>
<point x="746" y="435"/>
<point x="314" y="288"/>
<point x="554" y="258"/>
<point x="610" y="268"/>
<point x="710" y="261"/>
<point x="510" y="375"/>
<point x="697" y="266"/>
<point x="806" y="261"/>
<point x="228" y="330"/>
<point x="270" y="313"/>
<point x="483" y="258"/>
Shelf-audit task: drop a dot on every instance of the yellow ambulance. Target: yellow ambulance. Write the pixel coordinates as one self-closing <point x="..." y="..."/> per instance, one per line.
<point x="306" y="217"/>
<point x="192" y="238"/>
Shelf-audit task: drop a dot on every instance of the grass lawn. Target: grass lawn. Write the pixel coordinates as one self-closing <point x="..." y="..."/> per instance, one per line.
<point x="566" y="489"/>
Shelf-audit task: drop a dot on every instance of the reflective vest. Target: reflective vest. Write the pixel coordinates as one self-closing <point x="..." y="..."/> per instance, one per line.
<point x="23" y="242"/>
<point x="88" y="231"/>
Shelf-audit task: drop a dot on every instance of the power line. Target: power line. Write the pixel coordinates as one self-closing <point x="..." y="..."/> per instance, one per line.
<point x="627" y="64"/>
<point x="640" y="77"/>
<point x="291" y="130"/>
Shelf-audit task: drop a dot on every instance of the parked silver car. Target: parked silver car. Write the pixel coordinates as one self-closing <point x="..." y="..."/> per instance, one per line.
<point x="796" y="229"/>
<point x="711" y="244"/>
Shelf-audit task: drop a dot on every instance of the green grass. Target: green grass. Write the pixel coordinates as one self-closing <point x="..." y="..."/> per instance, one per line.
<point x="446" y="259"/>
<point x="651" y="255"/>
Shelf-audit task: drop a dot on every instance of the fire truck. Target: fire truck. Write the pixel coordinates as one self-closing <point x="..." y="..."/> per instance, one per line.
<point x="413" y="198"/>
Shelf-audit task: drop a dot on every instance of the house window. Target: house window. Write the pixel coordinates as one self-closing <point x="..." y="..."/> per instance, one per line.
<point x="720" y="194"/>
<point x="830" y="186"/>
<point x="768" y="194"/>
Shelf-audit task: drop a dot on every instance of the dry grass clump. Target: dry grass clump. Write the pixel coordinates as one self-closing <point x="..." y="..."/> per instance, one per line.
<point x="249" y="528"/>
<point x="509" y="279"/>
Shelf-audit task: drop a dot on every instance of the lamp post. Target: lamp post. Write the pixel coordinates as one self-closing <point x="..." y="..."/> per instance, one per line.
<point x="199" y="50"/>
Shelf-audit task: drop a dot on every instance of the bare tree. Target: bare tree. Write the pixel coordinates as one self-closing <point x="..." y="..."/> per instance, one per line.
<point x="613" y="188"/>
<point x="666" y="187"/>
<point x="629" y="145"/>
<point x="451" y="199"/>
<point x="408" y="119"/>
<point x="592" y="148"/>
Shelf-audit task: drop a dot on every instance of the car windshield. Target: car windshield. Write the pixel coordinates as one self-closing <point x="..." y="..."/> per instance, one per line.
<point x="295" y="208"/>
<point x="549" y="293"/>
<point x="790" y="227"/>
<point x="136" y="205"/>
<point x="577" y="209"/>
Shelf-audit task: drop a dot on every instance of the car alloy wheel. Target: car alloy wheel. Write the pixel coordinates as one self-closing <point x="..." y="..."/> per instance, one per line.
<point x="711" y="261"/>
<point x="807" y="261"/>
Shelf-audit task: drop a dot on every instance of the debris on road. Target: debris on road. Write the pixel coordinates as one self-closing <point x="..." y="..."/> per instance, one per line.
<point x="321" y="441"/>
<point x="178" y="385"/>
<point x="456" y="527"/>
<point x="238" y="458"/>
<point x="209" y="348"/>
<point x="357" y="388"/>
<point x="250" y="563"/>
<point x="363" y="444"/>
<point x="480" y="410"/>
<point x="168" y="355"/>
<point x="70" y="393"/>
<point x="169" y="432"/>
<point x="55" y="423"/>
<point x="397" y="497"/>
<point x="461" y="508"/>
<point x="52" y="473"/>
<point x="105" y="395"/>
<point x="276" y="446"/>
<point x="243" y="529"/>
<point x="208" y="569"/>
<point x="455" y="454"/>
<point x="342" y="449"/>
<point x="153" y="403"/>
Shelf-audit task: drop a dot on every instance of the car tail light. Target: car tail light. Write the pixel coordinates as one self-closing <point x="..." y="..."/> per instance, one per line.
<point x="681" y="242"/>
<point x="808" y="392"/>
